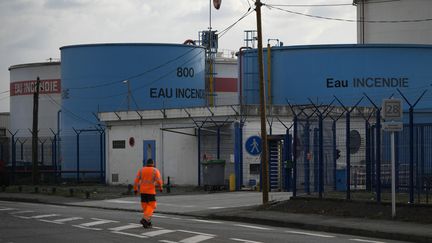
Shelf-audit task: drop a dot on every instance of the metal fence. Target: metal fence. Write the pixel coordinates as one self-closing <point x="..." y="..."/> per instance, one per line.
<point x="89" y="145"/>
<point x="341" y="152"/>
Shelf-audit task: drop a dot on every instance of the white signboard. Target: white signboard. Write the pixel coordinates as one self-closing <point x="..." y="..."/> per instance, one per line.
<point x="392" y="126"/>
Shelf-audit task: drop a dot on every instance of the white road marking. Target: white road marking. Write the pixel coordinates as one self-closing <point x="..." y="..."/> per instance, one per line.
<point x="128" y="234"/>
<point x="246" y="241"/>
<point x="61" y="221"/>
<point x="310" y="234"/>
<point x="196" y="239"/>
<point x="252" y="227"/>
<point x="124" y="227"/>
<point x="157" y="232"/>
<point x="215" y="207"/>
<point x="206" y="221"/>
<point x="120" y="201"/>
<point x="196" y="233"/>
<point x="168" y="241"/>
<point x="43" y="216"/>
<point x="97" y="222"/>
<point x="370" y="241"/>
<point x="20" y="212"/>
<point x="7" y="209"/>
<point x="159" y="216"/>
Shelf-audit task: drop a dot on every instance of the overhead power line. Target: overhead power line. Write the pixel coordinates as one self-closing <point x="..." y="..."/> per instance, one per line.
<point x="350" y="20"/>
<point x="223" y="32"/>
<point x="329" y="5"/>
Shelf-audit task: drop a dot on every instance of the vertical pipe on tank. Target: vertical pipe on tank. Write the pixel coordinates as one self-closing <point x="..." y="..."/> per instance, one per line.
<point x="269" y="87"/>
<point x="348" y="156"/>
<point x="199" y="156"/>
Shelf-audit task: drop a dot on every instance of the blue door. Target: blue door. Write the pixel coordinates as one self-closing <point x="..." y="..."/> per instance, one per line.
<point x="149" y="148"/>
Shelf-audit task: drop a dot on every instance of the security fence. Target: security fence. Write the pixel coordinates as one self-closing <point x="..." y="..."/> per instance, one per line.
<point x="342" y="152"/>
<point x="88" y="145"/>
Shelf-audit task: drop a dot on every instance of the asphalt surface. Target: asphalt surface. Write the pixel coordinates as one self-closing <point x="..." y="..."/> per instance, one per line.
<point x="30" y="222"/>
<point x="241" y="207"/>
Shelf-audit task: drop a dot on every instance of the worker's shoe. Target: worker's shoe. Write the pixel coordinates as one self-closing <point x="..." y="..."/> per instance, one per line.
<point x="145" y="223"/>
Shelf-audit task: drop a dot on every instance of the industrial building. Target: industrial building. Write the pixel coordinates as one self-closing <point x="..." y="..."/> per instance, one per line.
<point x="115" y="105"/>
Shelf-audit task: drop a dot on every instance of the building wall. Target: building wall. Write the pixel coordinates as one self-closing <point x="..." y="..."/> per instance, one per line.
<point x="175" y="153"/>
<point x="402" y="33"/>
<point x="226" y="85"/>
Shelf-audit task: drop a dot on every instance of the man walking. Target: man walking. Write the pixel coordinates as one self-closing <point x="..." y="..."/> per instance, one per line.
<point x="147" y="179"/>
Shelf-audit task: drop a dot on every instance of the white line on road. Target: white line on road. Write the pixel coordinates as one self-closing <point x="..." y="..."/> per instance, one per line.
<point x="310" y="234"/>
<point x="129" y="226"/>
<point x="206" y="221"/>
<point x="98" y="222"/>
<point x="157" y="232"/>
<point x="246" y="241"/>
<point x="369" y="241"/>
<point x="196" y="239"/>
<point x="61" y="221"/>
<point x="159" y="216"/>
<point x="168" y="241"/>
<point x="120" y="201"/>
<point x="194" y="232"/>
<point x="252" y="227"/>
<point x="7" y="209"/>
<point x="128" y="234"/>
<point x="20" y="212"/>
<point x="43" y="216"/>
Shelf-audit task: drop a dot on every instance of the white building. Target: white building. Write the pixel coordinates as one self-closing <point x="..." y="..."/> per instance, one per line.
<point x="394" y="22"/>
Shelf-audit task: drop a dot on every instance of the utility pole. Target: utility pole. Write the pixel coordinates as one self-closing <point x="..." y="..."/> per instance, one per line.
<point x="35" y="172"/>
<point x="264" y="157"/>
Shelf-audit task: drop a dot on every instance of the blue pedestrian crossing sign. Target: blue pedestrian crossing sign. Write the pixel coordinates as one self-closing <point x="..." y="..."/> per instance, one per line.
<point x="253" y="145"/>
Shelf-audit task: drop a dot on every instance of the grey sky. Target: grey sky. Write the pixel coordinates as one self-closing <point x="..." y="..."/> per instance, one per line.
<point x="33" y="30"/>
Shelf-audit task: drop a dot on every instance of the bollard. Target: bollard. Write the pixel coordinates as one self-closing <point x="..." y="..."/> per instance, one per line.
<point x="129" y="189"/>
<point x="53" y="190"/>
<point x="168" y="185"/>
<point x="71" y="192"/>
<point x="36" y="189"/>
<point x="87" y="194"/>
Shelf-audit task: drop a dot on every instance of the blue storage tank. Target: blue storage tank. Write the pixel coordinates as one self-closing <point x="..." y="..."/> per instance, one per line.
<point x="346" y="71"/>
<point x="97" y="77"/>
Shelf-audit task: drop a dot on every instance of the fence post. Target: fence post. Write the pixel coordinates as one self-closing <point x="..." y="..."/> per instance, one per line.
<point x="411" y="141"/>
<point x="334" y="154"/>
<point x="378" y="154"/>
<point x="77" y="132"/>
<point x="237" y="146"/>
<point x="306" y="148"/>
<point x="348" y="155"/>
<point x="367" y="153"/>
<point x="218" y="141"/>
<point x="321" y="156"/>
<point x="295" y="135"/>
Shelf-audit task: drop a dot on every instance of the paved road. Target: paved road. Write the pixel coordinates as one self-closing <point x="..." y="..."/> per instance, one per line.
<point x="27" y="222"/>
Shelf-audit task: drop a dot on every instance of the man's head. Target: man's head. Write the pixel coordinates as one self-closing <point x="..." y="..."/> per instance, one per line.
<point x="150" y="162"/>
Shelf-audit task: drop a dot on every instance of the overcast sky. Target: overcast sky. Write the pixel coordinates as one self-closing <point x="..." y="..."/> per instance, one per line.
<point x="33" y="30"/>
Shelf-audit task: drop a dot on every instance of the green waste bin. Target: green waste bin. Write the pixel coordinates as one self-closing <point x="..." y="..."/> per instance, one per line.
<point x="214" y="174"/>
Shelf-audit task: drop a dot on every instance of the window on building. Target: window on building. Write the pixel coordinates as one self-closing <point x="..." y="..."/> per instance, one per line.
<point x="119" y="144"/>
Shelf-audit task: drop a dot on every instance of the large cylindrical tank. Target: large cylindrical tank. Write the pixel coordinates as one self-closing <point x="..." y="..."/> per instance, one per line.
<point x="119" y="77"/>
<point x="22" y="86"/>
<point x="301" y="74"/>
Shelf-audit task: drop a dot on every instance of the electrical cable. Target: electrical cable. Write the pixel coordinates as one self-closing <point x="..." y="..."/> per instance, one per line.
<point x="349" y="20"/>
<point x="135" y="75"/>
<point x="329" y="5"/>
<point x="223" y="32"/>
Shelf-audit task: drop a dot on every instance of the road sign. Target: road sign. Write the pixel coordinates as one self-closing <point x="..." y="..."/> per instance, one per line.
<point x="392" y="126"/>
<point x="253" y="145"/>
<point x="392" y="109"/>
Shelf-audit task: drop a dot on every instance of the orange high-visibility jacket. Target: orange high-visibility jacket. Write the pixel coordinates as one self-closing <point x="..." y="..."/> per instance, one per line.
<point x="147" y="178"/>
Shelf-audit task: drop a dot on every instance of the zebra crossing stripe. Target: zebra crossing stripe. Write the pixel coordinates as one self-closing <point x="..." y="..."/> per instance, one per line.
<point x="97" y="222"/>
<point x="129" y="234"/>
<point x="43" y="216"/>
<point x="157" y="232"/>
<point x="61" y="221"/>
<point x="125" y="227"/>
<point x="196" y="239"/>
